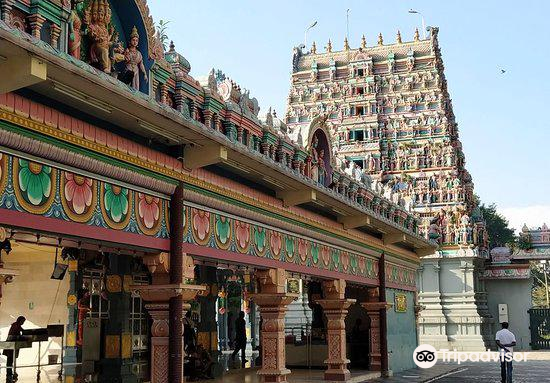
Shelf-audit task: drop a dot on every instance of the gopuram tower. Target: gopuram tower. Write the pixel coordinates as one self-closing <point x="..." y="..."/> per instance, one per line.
<point x="393" y="129"/>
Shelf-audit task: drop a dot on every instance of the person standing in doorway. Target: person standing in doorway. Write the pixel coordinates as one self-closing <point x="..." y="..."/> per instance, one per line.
<point x="506" y="340"/>
<point x="240" y="338"/>
<point x="14" y="334"/>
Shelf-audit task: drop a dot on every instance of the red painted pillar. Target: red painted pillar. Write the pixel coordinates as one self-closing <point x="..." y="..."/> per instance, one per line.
<point x="176" y="277"/>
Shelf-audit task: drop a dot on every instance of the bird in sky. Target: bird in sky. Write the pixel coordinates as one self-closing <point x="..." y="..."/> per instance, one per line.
<point x="502" y="71"/>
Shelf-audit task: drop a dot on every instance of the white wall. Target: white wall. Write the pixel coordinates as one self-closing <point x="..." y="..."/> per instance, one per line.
<point x="516" y="293"/>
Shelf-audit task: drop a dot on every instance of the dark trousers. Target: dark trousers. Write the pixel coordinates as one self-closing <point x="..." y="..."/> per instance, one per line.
<point x="9" y="363"/>
<point x="239" y="345"/>
<point x="506" y="372"/>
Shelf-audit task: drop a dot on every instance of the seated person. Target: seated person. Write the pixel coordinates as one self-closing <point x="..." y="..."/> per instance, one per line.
<point x="14" y="334"/>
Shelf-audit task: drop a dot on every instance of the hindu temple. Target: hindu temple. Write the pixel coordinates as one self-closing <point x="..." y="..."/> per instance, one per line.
<point x="388" y="113"/>
<point x="137" y="200"/>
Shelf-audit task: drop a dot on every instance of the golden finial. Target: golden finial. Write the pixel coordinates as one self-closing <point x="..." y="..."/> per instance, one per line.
<point x="399" y="37"/>
<point x="363" y="42"/>
<point x="314" y="48"/>
<point x="346" y="44"/>
<point x="329" y="46"/>
<point x="380" y="39"/>
<point x="416" y="35"/>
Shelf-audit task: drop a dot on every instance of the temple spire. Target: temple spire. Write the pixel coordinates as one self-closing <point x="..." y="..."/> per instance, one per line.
<point x="416" y="35"/>
<point x="329" y="46"/>
<point x="380" y="39"/>
<point x="399" y="41"/>
<point x="313" y="48"/>
<point x="346" y="44"/>
<point x="363" y="42"/>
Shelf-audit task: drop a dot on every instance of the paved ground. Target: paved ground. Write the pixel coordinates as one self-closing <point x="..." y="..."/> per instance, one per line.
<point x="418" y="374"/>
<point x="536" y="371"/>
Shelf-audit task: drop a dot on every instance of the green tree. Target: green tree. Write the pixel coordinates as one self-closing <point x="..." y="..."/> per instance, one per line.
<point x="500" y="234"/>
<point x="539" y="284"/>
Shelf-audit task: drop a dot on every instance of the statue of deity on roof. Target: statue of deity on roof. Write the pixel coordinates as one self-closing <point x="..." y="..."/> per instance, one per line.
<point x="134" y="59"/>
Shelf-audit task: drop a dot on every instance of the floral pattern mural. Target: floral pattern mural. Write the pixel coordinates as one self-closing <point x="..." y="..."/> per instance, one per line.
<point x="33" y="185"/>
<point x="226" y="233"/>
<point x="41" y="189"/>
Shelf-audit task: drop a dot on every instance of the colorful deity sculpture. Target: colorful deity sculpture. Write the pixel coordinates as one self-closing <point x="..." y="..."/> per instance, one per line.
<point x="97" y="18"/>
<point x="75" y="23"/>
<point x="134" y="59"/>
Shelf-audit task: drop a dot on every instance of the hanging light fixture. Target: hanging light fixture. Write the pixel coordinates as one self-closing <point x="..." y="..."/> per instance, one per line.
<point x="59" y="269"/>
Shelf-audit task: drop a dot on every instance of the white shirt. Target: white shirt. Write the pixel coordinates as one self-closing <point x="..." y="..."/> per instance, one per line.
<point x="506" y="336"/>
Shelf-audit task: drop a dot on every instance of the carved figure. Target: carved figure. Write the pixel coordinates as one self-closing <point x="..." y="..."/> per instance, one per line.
<point x="97" y="19"/>
<point x="75" y="23"/>
<point x="134" y="59"/>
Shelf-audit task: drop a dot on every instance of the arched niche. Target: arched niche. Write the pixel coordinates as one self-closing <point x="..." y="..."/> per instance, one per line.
<point x="125" y="15"/>
<point x="319" y="146"/>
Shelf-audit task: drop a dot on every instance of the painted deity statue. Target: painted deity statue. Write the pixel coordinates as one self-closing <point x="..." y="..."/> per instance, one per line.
<point x="75" y="23"/>
<point x="322" y="168"/>
<point x="314" y="159"/>
<point x="134" y="59"/>
<point x="97" y="19"/>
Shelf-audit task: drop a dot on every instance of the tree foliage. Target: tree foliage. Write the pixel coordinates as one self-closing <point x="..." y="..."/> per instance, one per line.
<point x="162" y="32"/>
<point x="500" y="234"/>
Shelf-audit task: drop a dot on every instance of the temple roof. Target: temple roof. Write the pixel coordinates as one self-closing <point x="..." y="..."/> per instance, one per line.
<point x="377" y="53"/>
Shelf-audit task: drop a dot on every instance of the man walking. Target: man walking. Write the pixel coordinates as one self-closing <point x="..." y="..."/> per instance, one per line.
<point x="506" y="341"/>
<point x="240" y="338"/>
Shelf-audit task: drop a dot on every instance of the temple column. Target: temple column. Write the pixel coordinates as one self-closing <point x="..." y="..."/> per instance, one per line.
<point x="160" y="330"/>
<point x="272" y="301"/>
<point x="377" y="307"/>
<point x="6" y="8"/>
<point x="207" y="118"/>
<point x="159" y="298"/>
<point x="54" y="36"/>
<point x="164" y="94"/>
<point x="170" y="291"/>
<point x="335" y="306"/>
<point x="36" y="21"/>
<point x="373" y="311"/>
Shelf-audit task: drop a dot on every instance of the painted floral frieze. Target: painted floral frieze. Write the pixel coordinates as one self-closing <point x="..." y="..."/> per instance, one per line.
<point x="41" y="189"/>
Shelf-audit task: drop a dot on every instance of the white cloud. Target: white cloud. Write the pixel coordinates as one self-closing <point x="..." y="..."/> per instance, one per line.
<point x="533" y="216"/>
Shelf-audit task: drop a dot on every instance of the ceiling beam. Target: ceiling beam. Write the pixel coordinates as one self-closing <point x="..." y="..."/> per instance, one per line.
<point x="354" y="221"/>
<point x="21" y="71"/>
<point x="390" y="239"/>
<point x="200" y="156"/>
<point x="296" y="197"/>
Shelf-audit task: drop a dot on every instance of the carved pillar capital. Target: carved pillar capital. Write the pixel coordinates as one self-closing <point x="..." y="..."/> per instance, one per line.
<point x="54" y="36"/>
<point x="334" y="289"/>
<point x="271" y="281"/>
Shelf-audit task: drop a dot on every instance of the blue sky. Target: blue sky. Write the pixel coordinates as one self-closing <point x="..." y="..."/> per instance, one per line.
<point x="502" y="118"/>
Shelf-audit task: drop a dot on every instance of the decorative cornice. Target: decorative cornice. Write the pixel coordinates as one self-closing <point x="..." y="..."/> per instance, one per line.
<point x="333" y="231"/>
<point x="54" y="153"/>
